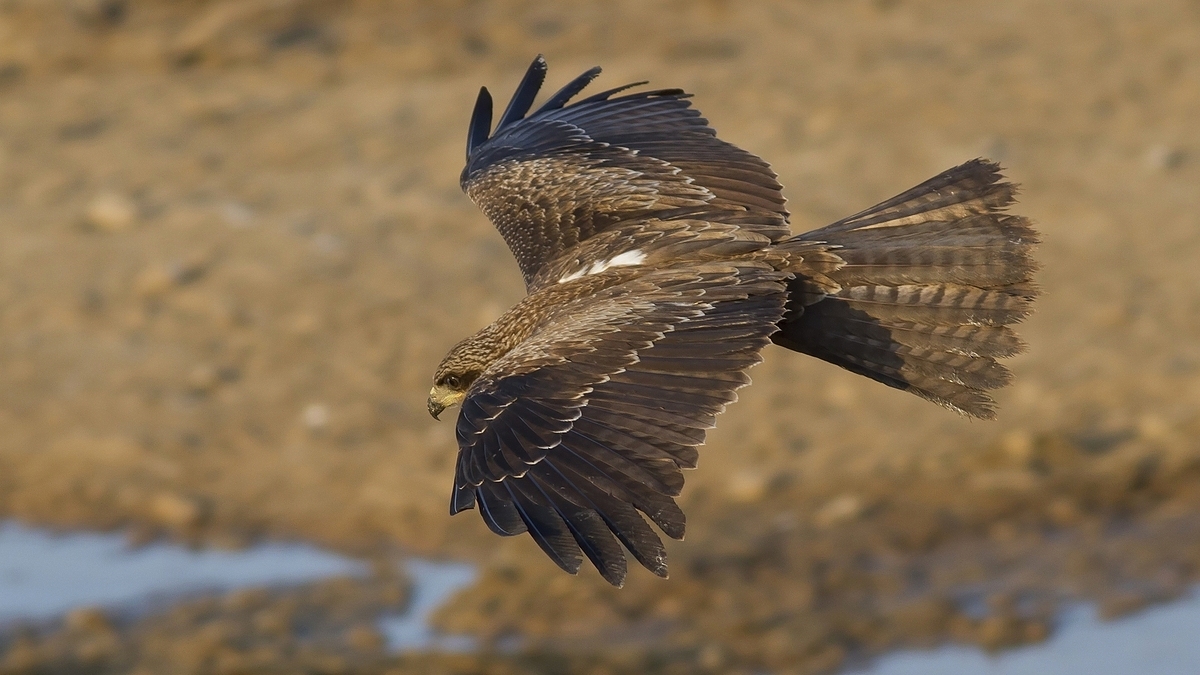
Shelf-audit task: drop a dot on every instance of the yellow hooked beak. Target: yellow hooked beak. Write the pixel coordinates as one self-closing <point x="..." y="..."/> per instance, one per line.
<point x="441" y="398"/>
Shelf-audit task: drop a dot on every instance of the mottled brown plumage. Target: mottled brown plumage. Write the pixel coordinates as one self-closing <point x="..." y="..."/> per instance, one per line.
<point x="659" y="262"/>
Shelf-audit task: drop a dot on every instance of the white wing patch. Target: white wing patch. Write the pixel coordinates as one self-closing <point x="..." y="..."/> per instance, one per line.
<point x="626" y="259"/>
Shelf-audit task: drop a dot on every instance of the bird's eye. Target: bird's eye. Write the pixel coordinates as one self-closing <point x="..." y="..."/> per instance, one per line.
<point x="453" y="381"/>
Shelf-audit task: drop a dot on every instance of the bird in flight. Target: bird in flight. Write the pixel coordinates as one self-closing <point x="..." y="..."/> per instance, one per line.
<point x="659" y="262"/>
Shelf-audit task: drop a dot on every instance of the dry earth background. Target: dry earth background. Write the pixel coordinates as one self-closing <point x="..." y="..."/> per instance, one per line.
<point x="233" y="248"/>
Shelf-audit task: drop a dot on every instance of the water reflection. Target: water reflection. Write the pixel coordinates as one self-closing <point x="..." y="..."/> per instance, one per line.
<point x="1162" y="640"/>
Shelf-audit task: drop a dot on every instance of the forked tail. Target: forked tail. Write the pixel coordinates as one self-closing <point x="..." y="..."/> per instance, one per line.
<point x="926" y="288"/>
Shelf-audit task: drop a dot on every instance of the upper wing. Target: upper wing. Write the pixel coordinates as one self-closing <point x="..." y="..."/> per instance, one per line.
<point x="592" y="418"/>
<point x="567" y="172"/>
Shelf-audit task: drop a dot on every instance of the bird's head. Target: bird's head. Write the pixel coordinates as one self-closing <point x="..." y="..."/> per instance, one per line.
<point x="447" y="391"/>
<point x="455" y="375"/>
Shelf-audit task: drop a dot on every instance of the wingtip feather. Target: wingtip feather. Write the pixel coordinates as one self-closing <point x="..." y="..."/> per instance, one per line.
<point x="462" y="499"/>
<point x="569" y="90"/>
<point x="526" y="92"/>
<point x="481" y="121"/>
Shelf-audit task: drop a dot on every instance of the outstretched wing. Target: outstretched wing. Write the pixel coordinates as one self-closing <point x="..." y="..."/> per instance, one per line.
<point x="591" y="420"/>
<point x="567" y="172"/>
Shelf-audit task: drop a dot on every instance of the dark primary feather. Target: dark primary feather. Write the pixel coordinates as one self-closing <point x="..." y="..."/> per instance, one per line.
<point x="568" y="92"/>
<point x="481" y="121"/>
<point x="522" y="100"/>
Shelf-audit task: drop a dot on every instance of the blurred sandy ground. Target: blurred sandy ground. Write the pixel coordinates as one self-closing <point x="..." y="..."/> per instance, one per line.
<point x="233" y="248"/>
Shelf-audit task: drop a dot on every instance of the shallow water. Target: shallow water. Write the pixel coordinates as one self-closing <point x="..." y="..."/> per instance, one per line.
<point x="1163" y="640"/>
<point x="432" y="584"/>
<point x="43" y="575"/>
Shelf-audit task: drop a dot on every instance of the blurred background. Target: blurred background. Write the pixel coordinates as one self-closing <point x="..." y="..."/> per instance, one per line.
<point x="233" y="248"/>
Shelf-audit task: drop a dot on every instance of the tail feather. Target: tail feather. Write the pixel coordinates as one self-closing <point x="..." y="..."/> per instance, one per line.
<point x="926" y="286"/>
<point x="938" y="303"/>
<point x="954" y="339"/>
<point x="954" y="194"/>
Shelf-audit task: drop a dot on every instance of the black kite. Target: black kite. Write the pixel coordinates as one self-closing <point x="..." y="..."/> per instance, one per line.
<point x="659" y="262"/>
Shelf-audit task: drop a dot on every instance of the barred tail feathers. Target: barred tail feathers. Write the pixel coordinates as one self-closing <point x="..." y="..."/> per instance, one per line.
<point x="927" y="286"/>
